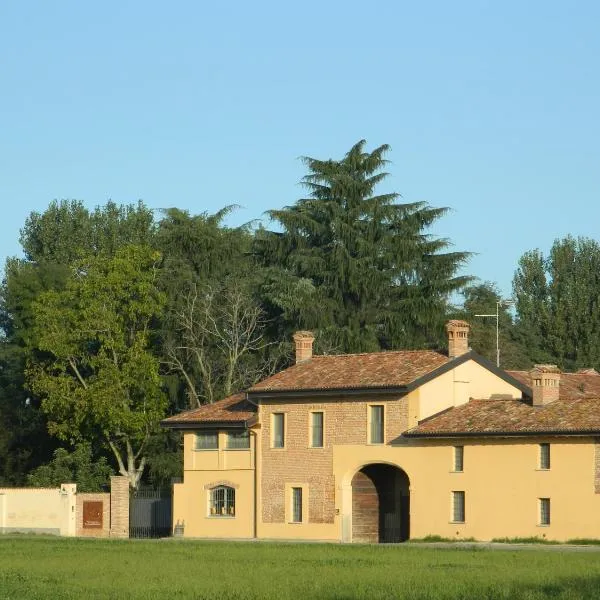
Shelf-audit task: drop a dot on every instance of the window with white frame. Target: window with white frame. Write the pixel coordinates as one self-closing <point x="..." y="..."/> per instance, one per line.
<point x="238" y="440"/>
<point x="316" y="429"/>
<point x="376" y="424"/>
<point x="207" y="440"/>
<point x="222" y="501"/>
<point x="278" y="435"/>
<point x="544" y="456"/>
<point x="544" y="505"/>
<point x="458" y="507"/>
<point x="459" y="455"/>
<point x="296" y="505"/>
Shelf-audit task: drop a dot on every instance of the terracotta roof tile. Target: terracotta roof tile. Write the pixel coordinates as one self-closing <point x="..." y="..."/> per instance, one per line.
<point x="233" y="409"/>
<point x="583" y="384"/>
<point x="354" y="371"/>
<point x="487" y="417"/>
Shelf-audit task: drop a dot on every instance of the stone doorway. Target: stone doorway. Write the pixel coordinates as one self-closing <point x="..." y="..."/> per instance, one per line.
<point x="380" y="504"/>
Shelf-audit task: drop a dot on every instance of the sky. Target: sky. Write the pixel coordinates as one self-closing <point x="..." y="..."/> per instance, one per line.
<point x="490" y="109"/>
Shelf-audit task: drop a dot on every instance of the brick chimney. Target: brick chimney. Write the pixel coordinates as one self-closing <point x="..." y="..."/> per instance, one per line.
<point x="545" y="384"/>
<point x="304" y="343"/>
<point x="458" y="337"/>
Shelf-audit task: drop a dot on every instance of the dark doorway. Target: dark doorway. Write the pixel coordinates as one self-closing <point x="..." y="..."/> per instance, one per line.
<point x="380" y="505"/>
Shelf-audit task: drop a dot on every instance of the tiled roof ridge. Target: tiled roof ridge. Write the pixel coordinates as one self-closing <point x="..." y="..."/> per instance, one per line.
<point x="379" y="352"/>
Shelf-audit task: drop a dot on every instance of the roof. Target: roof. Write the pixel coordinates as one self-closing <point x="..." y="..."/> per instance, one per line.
<point x="583" y="384"/>
<point x="513" y="417"/>
<point x="354" y="371"/>
<point x="234" y="411"/>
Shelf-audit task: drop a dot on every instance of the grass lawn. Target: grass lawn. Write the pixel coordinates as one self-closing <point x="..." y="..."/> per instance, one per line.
<point x="45" y="567"/>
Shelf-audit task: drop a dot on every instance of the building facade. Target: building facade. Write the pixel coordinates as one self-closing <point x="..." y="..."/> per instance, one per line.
<point x="388" y="446"/>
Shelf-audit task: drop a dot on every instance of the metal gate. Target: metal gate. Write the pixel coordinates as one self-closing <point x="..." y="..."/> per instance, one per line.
<point x="150" y="513"/>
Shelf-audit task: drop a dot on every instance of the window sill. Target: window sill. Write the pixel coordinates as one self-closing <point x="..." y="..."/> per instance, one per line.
<point x="237" y="449"/>
<point x="206" y="449"/>
<point x="276" y="448"/>
<point x="225" y="517"/>
<point x="543" y="470"/>
<point x="296" y="523"/>
<point x="315" y="447"/>
<point x="543" y="525"/>
<point x="457" y="522"/>
<point x="455" y="472"/>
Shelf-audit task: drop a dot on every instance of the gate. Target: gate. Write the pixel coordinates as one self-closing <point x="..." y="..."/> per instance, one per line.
<point x="150" y="513"/>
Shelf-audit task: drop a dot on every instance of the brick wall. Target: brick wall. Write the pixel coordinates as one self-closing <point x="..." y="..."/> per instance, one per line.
<point x="345" y="423"/>
<point x="119" y="507"/>
<point x="93" y="531"/>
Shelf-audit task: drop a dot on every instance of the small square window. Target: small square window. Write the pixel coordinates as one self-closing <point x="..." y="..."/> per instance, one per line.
<point x="278" y="437"/>
<point x="459" y="452"/>
<point x="458" y="507"/>
<point x="207" y="440"/>
<point x="544" y="511"/>
<point x="316" y="430"/>
<point x="238" y="440"/>
<point x="544" y="456"/>
<point x="376" y="424"/>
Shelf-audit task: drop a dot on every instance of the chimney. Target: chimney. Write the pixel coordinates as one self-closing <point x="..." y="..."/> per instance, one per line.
<point x="458" y="337"/>
<point x="304" y="343"/>
<point x="545" y="384"/>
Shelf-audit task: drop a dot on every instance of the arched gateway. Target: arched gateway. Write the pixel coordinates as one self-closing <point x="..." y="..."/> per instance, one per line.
<point x="380" y="504"/>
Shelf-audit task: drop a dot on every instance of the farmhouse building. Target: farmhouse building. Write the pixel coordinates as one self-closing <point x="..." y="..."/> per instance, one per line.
<point x="387" y="446"/>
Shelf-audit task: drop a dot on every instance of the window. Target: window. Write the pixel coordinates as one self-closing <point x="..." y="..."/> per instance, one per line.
<point x="278" y="430"/>
<point x="376" y="424"/>
<point x="238" y="440"/>
<point x="458" y="507"/>
<point x="544" y="456"/>
<point x="296" y="505"/>
<point x="544" y="511"/>
<point x="316" y="430"/>
<point x="222" y="501"/>
<point x="459" y="454"/>
<point x="207" y="440"/>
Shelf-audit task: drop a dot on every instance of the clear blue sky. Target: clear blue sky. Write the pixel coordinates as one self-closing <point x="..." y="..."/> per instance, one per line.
<point x="491" y="108"/>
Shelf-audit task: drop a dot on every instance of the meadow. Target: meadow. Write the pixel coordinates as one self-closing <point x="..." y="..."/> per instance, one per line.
<point x="44" y="567"/>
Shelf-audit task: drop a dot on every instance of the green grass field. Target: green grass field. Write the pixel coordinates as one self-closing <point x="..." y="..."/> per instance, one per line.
<point x="57" y="568"/>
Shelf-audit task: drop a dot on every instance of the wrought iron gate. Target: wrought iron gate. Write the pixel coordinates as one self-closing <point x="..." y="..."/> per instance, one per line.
<point x="150" y="513"/>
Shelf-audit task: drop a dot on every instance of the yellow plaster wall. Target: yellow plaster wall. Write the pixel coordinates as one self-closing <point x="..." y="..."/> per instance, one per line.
<point x="468" y="380"/>
<point x="502" y="485"/>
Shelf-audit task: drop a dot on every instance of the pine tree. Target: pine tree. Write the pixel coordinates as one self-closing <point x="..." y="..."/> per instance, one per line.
<point x="368" y="273"/>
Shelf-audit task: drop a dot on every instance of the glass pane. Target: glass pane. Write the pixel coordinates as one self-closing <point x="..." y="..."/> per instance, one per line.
<point x="458" y="458"/>
<point x="376" y="424"/>
<point x="297" y="505"/>
<point x="544" y="456"/>
<point x="222" y="502"/>
<point x="545" y="511"/>
<point x="207" y="440"/>
<point x="317" y="430"/>
<point x="278" y="430"/>
<point x="458" y="512"/>
<point x="237" y="440"/>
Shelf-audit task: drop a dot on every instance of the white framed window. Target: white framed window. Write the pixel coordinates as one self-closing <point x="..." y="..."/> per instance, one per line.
<point x="278" y="430"/>
<point x="238" y="440"/>
<point x="222" y="501"/>
<point x="296" y="508"/>
<point x="544" y="456"/>
<point x="207" y="440"/>
<point x="376" y="424"/>
<point x="316" y="429"/>
<point x="544" y="508"/>
<point x="458" y="507"/>
<point x="459" y="459"/>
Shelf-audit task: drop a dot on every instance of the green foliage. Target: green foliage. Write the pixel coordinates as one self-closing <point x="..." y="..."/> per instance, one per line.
<point x="371" y="275"/>
<point x="558" y="302"/>
<point x="38" y="568"/>
<point x="96" y="374"/>
<point x="77" y="467"/>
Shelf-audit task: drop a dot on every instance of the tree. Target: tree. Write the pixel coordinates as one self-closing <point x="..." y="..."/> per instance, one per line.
<point x="217" y="341"/>
<point x="95" y="372"/>
<point x="371" y="276"/>
<point x="77" y="467"/>
<point x="558" y="302"/>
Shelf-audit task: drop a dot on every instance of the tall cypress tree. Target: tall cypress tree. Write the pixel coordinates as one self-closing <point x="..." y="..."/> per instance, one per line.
<point x="356" y="265"/>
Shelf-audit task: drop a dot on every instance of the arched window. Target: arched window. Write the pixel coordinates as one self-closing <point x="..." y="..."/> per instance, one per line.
<point x="222" y="501"/>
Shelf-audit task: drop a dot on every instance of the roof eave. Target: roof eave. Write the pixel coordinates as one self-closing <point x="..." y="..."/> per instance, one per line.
<point x="208" y="424"/>
<point x="300" y="393"/>
<point x="487" y="434"/>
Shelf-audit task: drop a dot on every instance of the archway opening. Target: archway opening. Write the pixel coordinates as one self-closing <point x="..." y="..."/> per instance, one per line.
<point x="380" y="504"/>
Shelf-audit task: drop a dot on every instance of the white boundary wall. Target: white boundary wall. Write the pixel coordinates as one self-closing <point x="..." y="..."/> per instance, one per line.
<point x="39" y="510"/>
